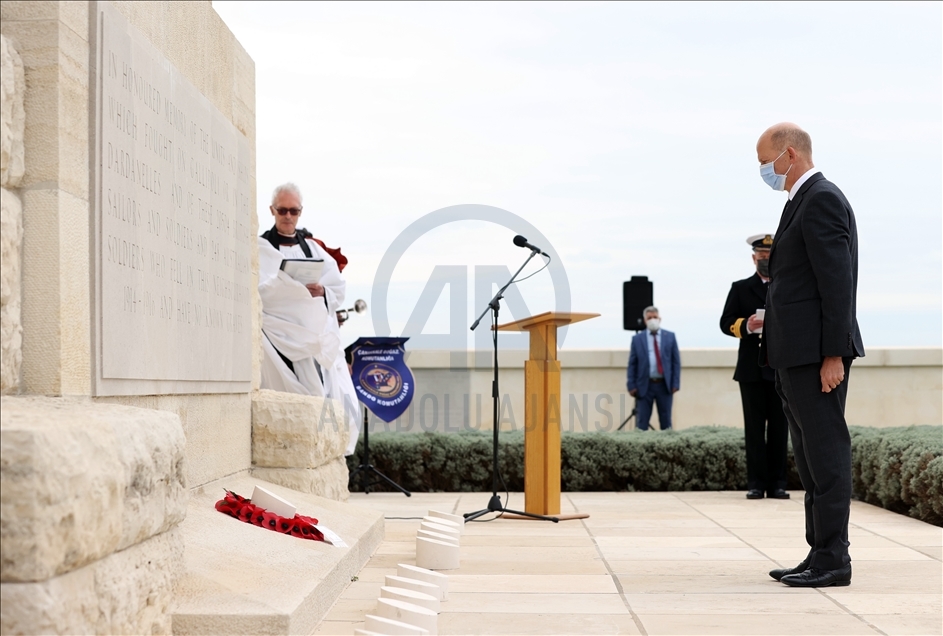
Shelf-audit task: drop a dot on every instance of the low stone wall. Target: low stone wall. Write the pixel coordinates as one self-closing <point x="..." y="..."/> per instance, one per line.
<point x="889" y="387"/>
<point x="298" y="441"/>
<point x="90" y="499"/>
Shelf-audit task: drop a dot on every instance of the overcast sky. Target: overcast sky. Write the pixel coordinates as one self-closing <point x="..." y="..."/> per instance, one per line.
<point x="624" y="133"/>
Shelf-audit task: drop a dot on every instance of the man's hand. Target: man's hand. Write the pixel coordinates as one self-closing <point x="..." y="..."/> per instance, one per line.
<point x="633" y="392"/>
<point x="675" y="390"/>
<point x="315" y="289"/>
<point x="754" y="324"/>
<point x="833" y="373"/>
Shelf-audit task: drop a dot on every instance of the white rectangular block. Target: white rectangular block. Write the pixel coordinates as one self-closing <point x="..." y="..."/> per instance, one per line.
<point x="426" y="534"/>
<point x="424" y="574"/>
<point x="272" y="502"/>
<point x="410" y="596"/>
<point x="458" y="520"/>
<point x="408" y="613"/>
<point x="437" y="555"/>
<point x="441" y="529"/>
<point x="443" y="522"/>
<point x="393" y="580"/>
<point x="380" y="625"/>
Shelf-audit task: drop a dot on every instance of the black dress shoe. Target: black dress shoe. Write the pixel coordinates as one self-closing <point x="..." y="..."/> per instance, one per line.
<point x="753" y="493"/>
<point x="779" y="574"/>
<point x="814" y="577"/>
<point x="779" y="493"/>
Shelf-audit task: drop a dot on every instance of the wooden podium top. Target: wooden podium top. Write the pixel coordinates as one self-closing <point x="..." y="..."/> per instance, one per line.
<point x="548" y="317"/>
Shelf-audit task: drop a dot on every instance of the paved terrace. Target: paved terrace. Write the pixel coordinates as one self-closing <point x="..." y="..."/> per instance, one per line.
<point x="658" y="563"/>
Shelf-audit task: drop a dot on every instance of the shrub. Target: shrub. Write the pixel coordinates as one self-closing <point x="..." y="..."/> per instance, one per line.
<point x="705" y="458"/>
<point x="900" y="469"/>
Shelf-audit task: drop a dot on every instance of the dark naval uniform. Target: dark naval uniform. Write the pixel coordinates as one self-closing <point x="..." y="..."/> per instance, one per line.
<point x="764" y="421"/>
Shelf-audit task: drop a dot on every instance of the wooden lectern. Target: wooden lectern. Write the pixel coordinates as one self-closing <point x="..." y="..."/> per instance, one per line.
<point x="542" y="409"/>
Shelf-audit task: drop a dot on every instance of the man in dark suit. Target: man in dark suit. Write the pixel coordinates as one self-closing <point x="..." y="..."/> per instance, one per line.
<point x="654" y="373"/>
<point x="765" y="429"/>
<point x="810" y="337"/>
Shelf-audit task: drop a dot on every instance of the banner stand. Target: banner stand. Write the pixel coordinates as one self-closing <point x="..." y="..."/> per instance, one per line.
<point x="384" y="385"/>
<point x="366" y="469"/>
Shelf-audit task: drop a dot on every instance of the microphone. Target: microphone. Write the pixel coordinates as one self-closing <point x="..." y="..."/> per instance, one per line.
<point x="520" y="241"/>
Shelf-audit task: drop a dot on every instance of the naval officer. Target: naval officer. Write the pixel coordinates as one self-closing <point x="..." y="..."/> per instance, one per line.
<point x="765" y="427"/>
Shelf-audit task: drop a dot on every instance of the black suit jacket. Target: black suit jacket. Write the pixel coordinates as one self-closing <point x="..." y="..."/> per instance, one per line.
<point x="811" y="300"/>
<point x="745" y="297"/>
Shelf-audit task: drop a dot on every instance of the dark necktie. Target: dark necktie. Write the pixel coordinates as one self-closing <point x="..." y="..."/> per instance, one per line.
<point x="661" y="369"/>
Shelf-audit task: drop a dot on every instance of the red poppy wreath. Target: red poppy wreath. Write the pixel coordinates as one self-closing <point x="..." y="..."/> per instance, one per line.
<point x="244" y="510"/>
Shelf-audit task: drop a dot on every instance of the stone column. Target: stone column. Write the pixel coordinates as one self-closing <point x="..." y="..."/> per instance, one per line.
<point x="52" y="161"/>
<point x="52" y="40"/>
<point x="91" y="495"/>
<point x="12" y="120"/>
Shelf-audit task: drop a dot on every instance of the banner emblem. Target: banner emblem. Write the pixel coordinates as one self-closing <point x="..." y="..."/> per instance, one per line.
<point x="381" y="378"/>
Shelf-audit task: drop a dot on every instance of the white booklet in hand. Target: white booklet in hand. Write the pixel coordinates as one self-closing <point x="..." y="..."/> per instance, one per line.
<point x="303" y="270"/>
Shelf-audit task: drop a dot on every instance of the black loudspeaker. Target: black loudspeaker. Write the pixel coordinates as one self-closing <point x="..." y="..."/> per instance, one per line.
<point x="637" y="294"/>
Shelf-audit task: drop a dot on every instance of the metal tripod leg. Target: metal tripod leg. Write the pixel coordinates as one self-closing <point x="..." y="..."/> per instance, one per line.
<point x="366" y="468"/>
<point x="634" y="413"/>
<point x="494" y="505"/>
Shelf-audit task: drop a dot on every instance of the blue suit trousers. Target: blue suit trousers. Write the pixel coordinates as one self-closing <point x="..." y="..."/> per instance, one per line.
<point x="660" y="395"/>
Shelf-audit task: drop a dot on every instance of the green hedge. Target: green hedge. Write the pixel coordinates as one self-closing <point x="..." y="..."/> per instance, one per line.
<point x="899" y="469"/>
<point x="704" y="458"/>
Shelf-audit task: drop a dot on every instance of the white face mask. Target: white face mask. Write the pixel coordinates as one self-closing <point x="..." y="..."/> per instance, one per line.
<point x="653" y="324"/>
<point x="768" y="172"/>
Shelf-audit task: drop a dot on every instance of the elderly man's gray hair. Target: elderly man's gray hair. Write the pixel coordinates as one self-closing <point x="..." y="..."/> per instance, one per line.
<point x="286" y="187"/>
<point x="652" y="309"/>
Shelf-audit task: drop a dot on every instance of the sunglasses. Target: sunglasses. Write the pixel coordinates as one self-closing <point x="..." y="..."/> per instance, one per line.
<point x="291" y="211"/>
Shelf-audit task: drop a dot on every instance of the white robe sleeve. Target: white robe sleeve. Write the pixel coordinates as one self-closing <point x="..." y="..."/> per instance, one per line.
<point x="340" y="386"/>
<point x="295" y="325"/>
<point x="335" y="287"/>
<point x="304" y="330"/>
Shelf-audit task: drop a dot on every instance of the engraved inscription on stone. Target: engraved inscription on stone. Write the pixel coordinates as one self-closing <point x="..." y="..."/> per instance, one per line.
<point x="174" y="218"/>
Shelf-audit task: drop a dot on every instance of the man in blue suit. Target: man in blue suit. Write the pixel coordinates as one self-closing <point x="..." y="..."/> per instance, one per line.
<point x="654" y="371"/>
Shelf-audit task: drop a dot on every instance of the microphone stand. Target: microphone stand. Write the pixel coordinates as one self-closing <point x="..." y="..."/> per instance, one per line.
<point x="494" y="504"/>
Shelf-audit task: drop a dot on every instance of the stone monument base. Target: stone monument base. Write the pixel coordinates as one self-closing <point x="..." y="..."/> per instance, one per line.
<point x="298" y="441"/>
<point x="243" y="579"/>
<point x="91" y="497"/>
<point x="127" y="592"/>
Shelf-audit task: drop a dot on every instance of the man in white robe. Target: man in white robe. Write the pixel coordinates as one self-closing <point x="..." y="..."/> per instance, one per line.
<point x="301" y="350"/>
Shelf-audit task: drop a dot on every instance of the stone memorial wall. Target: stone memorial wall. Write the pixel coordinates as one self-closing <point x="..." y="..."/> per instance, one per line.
<point x="173" y="237"/>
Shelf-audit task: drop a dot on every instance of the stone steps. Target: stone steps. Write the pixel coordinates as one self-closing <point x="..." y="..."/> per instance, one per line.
<point x="243" y="579"/>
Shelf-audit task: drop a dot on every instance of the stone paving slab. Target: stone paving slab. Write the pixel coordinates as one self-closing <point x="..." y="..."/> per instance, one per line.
<point x="659" y="564"/>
